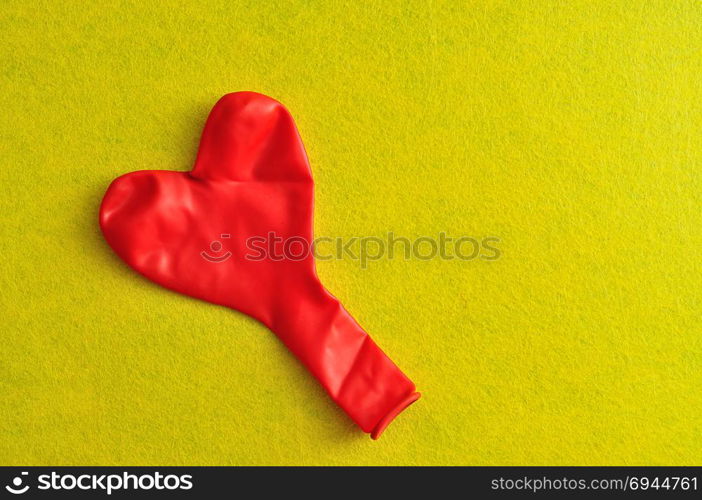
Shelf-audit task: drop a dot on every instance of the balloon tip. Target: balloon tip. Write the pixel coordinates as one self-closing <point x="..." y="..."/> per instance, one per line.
<point x="390" y="416"/>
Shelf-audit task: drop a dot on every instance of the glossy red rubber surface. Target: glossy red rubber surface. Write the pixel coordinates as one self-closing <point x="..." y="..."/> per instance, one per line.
<point x="188" y="231"/>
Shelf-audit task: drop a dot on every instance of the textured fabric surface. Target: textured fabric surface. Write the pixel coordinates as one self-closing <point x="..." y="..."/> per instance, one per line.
<point x="571" y="131"/>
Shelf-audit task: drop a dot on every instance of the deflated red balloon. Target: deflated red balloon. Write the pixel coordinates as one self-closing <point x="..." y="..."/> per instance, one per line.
<point x="192" y="232"/>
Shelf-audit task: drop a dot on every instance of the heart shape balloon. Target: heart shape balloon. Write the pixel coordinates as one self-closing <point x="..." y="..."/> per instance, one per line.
<point x="209" y="233"/>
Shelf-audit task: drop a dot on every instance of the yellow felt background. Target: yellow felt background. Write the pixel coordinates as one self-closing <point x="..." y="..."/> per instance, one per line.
<point x="570" y="130"/>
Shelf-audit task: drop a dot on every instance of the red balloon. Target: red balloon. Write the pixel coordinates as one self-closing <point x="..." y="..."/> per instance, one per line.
<point x="192" y="231"/>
